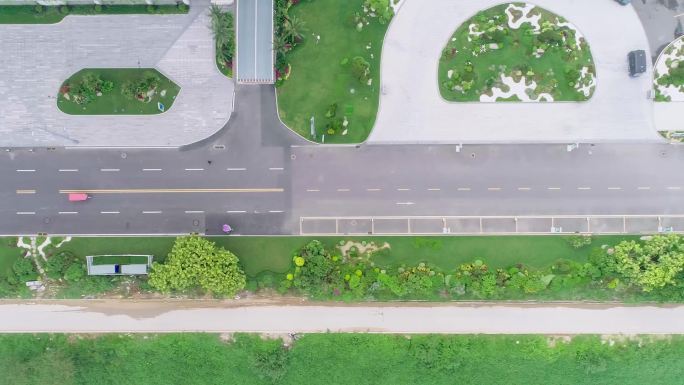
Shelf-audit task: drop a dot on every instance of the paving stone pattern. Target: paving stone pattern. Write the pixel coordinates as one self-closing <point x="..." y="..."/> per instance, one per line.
<point x="37" y="58"/>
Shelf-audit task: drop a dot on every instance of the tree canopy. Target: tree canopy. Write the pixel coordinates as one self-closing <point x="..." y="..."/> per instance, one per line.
<point x="195" y="262"/>
<point x="653" y="264"/>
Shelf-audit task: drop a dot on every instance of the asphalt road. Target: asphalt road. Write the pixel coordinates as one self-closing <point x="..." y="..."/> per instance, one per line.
<point x="103" y="316"/>
<point x="260" y="178"/>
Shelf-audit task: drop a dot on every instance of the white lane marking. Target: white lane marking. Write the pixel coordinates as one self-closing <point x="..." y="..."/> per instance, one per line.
<point x="152" y="169"/>
<point x="313" y="190"/>
<point x="553" y="188"/>
<point x="405" y="203"/>
<point x="434" y="189"/>
<point x="373" y="189"/>
<point x="68" y="212"/>
<point x="109" y="169"/>
<point x="68" y="170"/>
<point x="463" y="189"/>
<point x="194" y="211"/>
<point x="235" y="211"/>
<point x="236" y="169"/>
<point x="524" y="188"/>
<point x="151" y="212"/>
<point x="403" y="189"/>
<point x="342" y="189"/>
<point x="109" y="212"/>
<point x="643" y="188"/>
<point x="584" y="188"/>
<point x="26" y="170"/>
<point x="494" y="188"/>
<point x="25" y="212"/>
<point x="276" y="168"/>
<point x="674" y="188"/>
<point x="26" y="191"/>
<point x="275" y="211"/>
<point x="614" y="188"/>
<point x="194" y="169"/>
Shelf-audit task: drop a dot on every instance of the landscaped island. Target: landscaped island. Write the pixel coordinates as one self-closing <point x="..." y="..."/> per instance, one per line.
<point x="117" y="91"/>
<point x="328" y="66"/>
<point x="669" y="73"/>
<point x="516" y="52"/>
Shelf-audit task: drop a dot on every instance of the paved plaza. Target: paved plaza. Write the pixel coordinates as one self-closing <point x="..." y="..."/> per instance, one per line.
<point x="37" y="58"/>
<point x="412" y="110"/>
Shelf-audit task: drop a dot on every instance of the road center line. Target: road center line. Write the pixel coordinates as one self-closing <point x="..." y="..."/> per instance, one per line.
<point x="434" y="189"/>
<point x="275" y="211"/>
<point x="194" y="211"/>
<point x="109" y="212"/>
<point x="584" y="188"/>
<point x="26" y="191"/>
<point x="26" y="212"/>
<point x="674" y="188"/>
<point x="151" y="212"/>
<point x="236" y="211"/>
<point x="614" y="188"/>
<point x="68" y="170"/>
<point x="180" y="190"/>
<point x="405" y="203"/>
<point x="524" y="188"/>
<point x="343" y="190"/>
<point x="67" y="212"/>
<point x="494" y="188"/>
<point x="463" y="189"/>
<point x="373" y="189"/>
<point x="236" y="169"/>
<point x="110" y="170"/>
<point x="276" y="168"/>
<point x="313" y="190"/>
<point x="553" y="188"/>
<point x="643" y="188"/>
<point x="151" y="169"/>
<point x="403" y="189"/>
<point x="26" y="170"/>
<point x="194" y="169"/>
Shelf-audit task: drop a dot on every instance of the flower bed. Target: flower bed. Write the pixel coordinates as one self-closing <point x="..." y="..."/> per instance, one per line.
<point x="517" y="52"/>
<point x="113" y="91"/>
<point x="669" y="73"/>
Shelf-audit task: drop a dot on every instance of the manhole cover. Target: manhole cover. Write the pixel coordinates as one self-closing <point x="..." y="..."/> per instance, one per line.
<point x="293" y="156"/>
<point x="46" y="220"/>
<point x="124" y="155"/>
<point x="195" y="222"/>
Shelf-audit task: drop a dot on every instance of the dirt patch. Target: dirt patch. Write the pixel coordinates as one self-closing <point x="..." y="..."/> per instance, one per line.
<point x="361" y="248"/>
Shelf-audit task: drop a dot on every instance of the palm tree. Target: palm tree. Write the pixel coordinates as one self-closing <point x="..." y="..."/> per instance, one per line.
<point x="221" y="24"/>
<point x="293" y="27"/>
<point x="281" y="44"/>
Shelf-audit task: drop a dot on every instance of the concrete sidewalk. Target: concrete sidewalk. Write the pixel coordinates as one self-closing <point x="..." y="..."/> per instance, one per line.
<point x="37" y="58"/>
<point x="102" y="316"/>
<point x="413" y="111"/>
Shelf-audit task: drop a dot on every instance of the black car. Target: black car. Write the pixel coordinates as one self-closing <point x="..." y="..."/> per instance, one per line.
<point x="637" y="62"/>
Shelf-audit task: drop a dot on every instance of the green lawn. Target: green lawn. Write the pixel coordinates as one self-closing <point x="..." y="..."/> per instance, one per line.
<point x="194" y="359"/>
<point x="114" y="102"/>
<point x="28" y="14"/>
<point x="321" y="73"/>
<point x="260" y="254"/>
<point x="472" y="64"/>
<point x="8" y="254"/>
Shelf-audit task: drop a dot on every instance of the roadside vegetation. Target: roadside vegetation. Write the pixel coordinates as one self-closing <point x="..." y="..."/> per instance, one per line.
<point x="618" y="268"/>
<point x="59" y="359"/>
<point x="328" y="66"/>
<point x="222" y="27"/>
<point x="516" y="52"/>
<point x="117" y="91"/>
<point x="42" y="14"/>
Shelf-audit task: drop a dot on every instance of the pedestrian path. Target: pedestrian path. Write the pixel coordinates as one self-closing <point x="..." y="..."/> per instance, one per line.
<point x="37" y="58"/>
